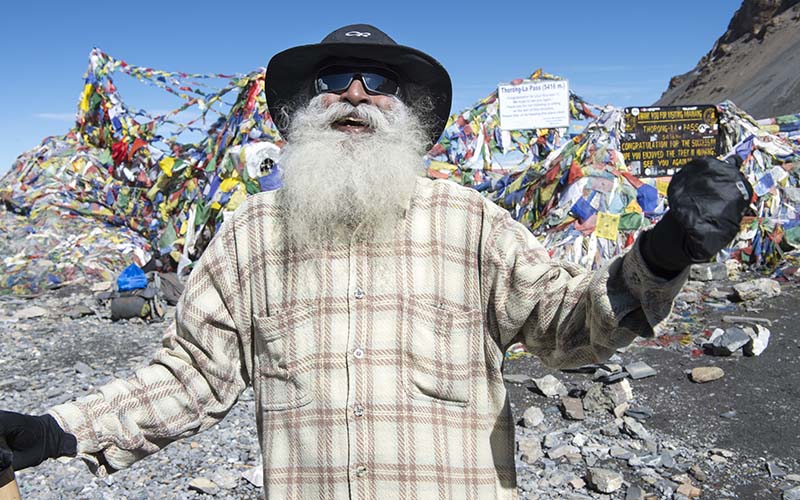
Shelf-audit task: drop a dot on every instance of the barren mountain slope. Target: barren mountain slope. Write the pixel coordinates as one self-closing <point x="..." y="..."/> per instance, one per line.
<point x="755" y="64"/>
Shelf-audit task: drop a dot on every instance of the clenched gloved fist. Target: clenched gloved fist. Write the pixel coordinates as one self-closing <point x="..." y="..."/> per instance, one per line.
<point x="34" y="439"/>
<point x="707" y="198"/>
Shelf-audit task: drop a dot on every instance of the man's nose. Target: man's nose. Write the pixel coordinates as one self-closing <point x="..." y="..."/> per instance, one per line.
<point x="356" y="93"/>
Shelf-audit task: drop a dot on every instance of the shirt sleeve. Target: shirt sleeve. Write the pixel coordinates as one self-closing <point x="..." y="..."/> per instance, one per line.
<point x="566" y="316"/>
<point x="190" y="384"/>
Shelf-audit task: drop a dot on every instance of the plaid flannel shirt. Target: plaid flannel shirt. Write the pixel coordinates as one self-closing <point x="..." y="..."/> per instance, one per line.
<point x="376" y="366"/>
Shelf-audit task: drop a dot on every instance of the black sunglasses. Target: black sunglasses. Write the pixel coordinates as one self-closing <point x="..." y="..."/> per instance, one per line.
<point x="376" y="81"/>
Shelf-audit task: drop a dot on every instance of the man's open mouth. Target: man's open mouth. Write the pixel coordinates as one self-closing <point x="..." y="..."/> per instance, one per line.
<point x="351" y="122"/>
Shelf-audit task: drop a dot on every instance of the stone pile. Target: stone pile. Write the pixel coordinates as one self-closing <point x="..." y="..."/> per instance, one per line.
<point x="596" y="443"/>
<point x="590" y="440"/>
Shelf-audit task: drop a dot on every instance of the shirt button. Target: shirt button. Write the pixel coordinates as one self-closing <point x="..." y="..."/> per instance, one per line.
<point x="358" y="411"/>
<point x="361" y="471"/>
<point x="358" y="353"/>
<point x="359" y="294"/>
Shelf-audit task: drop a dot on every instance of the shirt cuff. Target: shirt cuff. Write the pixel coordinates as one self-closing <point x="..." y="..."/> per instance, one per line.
<point x="94" y="461"/>
<point x="635" y="291"/>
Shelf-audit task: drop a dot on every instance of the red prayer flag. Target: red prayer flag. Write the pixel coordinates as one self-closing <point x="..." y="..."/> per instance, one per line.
<point x="575" y="172"/>
<point x="119" y="152"/>
<point x="137" y="145"/>
<point x="633" y="180"/>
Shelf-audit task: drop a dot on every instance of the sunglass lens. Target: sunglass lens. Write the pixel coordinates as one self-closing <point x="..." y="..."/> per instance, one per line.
<point x="334" y="82"/>
<point x="379" y="83"/>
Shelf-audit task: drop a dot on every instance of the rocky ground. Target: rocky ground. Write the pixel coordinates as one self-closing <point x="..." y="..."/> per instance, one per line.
<point x="640" y="426"/>
<point x="736" y="437"/>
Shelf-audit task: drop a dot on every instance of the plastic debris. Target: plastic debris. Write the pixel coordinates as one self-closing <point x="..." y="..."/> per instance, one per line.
<point x="131" y="278"/>
<point x="516" y="351"/>
<point x="759" y="340"/>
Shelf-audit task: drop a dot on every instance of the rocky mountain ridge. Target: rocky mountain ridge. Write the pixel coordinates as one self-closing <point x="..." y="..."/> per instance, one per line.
<point x="755" y="63"/>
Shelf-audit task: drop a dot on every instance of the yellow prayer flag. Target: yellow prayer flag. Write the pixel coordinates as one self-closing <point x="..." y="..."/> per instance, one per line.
<point x="87" y="91"/>
<point x="238" y="197"/>
<point x="579" y="152"/>
<point x="228" y="184"/>
<point x="166" y="165"/>
<point x="547" y="192"/>
<point x="516" y="185"/>
<point x="442" y="166"/>
<point x="607" y="226"/>
<point x="78" y="164"/>
<point x="661" y="186"/>
<point x="633" y="206"/>
<point x="476" y="126"/>
<point x="172" y="205"/>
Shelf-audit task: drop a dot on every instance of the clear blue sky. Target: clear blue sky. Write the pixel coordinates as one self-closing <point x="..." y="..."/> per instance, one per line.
<point x="616" y="52"/>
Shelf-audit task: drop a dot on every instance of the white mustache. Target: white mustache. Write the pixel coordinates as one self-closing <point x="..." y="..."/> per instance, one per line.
<point x="374" y="117"/>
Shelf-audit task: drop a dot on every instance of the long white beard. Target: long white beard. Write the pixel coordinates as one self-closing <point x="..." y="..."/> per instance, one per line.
<point x="340" y="186"/>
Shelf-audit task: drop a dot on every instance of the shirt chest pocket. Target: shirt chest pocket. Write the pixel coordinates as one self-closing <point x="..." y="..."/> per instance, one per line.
<point x="284" y="359"/>
<point x="441" y="348"/>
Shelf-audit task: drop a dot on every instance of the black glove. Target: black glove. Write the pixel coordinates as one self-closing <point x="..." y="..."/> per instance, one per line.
<point x="34" y="439"/>
<point x="707" y="198"/>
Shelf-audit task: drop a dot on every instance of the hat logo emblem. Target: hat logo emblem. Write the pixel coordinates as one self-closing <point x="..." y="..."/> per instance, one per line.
<point x="364" y="34"/>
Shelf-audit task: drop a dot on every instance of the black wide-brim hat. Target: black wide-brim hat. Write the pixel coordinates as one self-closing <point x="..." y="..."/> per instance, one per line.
<point x="290" y="74"/>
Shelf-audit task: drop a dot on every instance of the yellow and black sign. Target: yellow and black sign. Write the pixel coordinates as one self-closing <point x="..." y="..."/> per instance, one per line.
<point x="658" y="141"/>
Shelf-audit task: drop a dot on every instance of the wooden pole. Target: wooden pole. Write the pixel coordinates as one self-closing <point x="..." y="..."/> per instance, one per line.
<point x="8" y="485"/>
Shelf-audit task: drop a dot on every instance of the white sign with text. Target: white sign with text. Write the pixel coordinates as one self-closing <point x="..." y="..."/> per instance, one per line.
<point x="542" y="104"/>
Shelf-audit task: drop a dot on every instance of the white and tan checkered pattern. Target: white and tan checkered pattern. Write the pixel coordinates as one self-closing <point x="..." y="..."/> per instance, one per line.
<point x="376" y="366"/>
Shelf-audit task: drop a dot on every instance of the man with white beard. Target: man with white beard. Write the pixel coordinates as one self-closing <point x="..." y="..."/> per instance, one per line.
<point x="370" y="308"/>
<point x="339" y="175"/>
